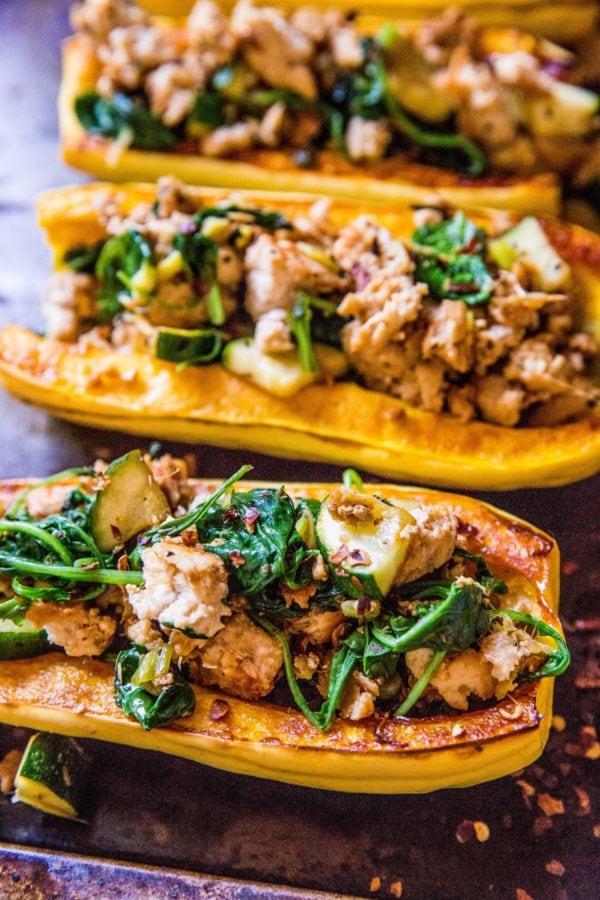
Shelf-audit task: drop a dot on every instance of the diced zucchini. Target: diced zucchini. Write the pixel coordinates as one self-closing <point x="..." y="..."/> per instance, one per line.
<point x="280" y="374"/>
<point x="379" y="543"/>
<point x="528" y="241"/>
<point x="411" y="83"/>
<point x="567" y="112"/>
<point x="21" y="641"/>
<point x="51" y="775"/>
<point x="130" y="502"/>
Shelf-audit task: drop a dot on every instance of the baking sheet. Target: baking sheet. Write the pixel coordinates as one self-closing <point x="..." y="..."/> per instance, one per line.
<point x="543" y="825"/>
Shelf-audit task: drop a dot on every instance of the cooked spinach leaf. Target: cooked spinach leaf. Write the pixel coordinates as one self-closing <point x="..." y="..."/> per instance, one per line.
<point x="252" y="536"/>
<point x="270" y="220"/>
<point x="122" y="258"/>
<point x="125" y="118"/>
<point x="83" y="257"/>
<point x="188" y="348"/>
<point x="299" y="319"/>
<point x="200" y="255"/>
<point x="208" y="109"/>
<point x="449" y="261"/>
<point x="152" y="705"/>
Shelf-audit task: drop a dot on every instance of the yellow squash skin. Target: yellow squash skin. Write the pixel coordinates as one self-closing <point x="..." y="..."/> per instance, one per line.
<point x="75" y="696"/>
<point x="341" y="422"/>
<point x="390" y="182"/>
<point x="567" y="21"/>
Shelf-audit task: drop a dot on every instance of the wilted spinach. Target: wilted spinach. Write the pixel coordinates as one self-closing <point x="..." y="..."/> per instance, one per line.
<point x="151" y="705"/>
<point x="188" y="348"/>
<point x="125" y="118"/>
<point x="449" y="260"/>
<point x="200" y="255"/>
<point x="122" y="257"/>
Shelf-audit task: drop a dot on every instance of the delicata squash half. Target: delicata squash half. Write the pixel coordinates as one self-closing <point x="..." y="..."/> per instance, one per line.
<point x="325" y="102"/>
<point x="349" y="637"/>
<point x="431" y="345"/>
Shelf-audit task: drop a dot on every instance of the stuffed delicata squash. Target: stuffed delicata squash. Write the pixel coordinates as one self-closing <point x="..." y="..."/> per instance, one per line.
<point x="350" y="637"/>
<point x="324" y="102"/>
<point x="431" y="345"/>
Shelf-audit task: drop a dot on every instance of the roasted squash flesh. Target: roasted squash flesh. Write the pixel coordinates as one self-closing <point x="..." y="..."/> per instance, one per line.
<point x="74" y="696"/>
<point x="340" y="422"/>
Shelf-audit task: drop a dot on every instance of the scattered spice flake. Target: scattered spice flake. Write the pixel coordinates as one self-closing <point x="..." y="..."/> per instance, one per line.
<point x="123" y="563"/>
<point x="555" y="867"/>
<point x="522" y="895"/>
<point x="596" y="830"/>
<point x="190" y="536"/>
<point x="559" y="723"/>
<point x="482" y="831"/>
<point x="375" y="884"/>
<point x="249" y="518"/>
<point x="465" y="832"/>
<point x="585" y="805"/>
<point x="507" y="820"/>
<point x="541" y="824"/>
<point x="218" y="710"/>
<point x="8" y="770"/>
<point x="237" y="560"/>
<point x="569" y="567"/>
<point x="360" y="557"/>
<point x="551" y="806"/>
<point x="340" y="555"/>
<point x="396" y="888"/>
<point x="527" y="791"/>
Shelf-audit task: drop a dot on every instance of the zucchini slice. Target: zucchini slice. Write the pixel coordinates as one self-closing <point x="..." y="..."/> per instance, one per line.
<point x="51" y="775"/>
<point x="130" y="502"/>
<point x="21" y="641"/>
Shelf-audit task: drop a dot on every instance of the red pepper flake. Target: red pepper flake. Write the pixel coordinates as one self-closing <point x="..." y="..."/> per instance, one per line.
<point x="551" y="806"/>
<point x="465" y="832"/>
<point x="527" y="791"/>
<point x="218" y="710"/>
<point x="375" y="884"/>
<point x="555" y="867"/>
<point x="360" y="556"/>
<point x="249" y="518"/>
<point x="190" y="536"/>
<point x="585" y="804"/>
<point x="541" y="824"/>
<point x="569" y="567"/>
<point x="340" y="555"/>
<point x="396" y="888"/>
<point x="596" y="830"/>
<point x="91" y="565"/>
<point x="237" y="560"/>
<point x="123" y="563"/>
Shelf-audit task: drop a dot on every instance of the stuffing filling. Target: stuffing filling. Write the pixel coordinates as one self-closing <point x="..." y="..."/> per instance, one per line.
<point x="310" y="82"/>
<point x="349" y="606"/>
<point x="454" y="320"/>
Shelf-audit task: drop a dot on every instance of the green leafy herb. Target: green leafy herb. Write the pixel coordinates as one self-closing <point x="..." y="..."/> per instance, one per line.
<point x="270" y="220"/>
<point x="151" y="704"/>
<point x="558" y="660"/>
<point x="208" y="109"/>
<point x="449" y="261"/>
<point x="456" y="234"/>
<point x="299" y="319"/>
<point x="422" y="682"/>
<point x="122" y="258"/>
<point x="83" y="257"/>
<point x="343" y="663"/>
<point x="124" y="118"/>
<point x="200" y="255"/>
<point x="188" y="348"/>
<point x="252" y="536"/>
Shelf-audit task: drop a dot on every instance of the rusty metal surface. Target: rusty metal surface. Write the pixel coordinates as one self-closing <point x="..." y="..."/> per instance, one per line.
<point x="26" y="873"/>
<point x="544" y="825"/>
